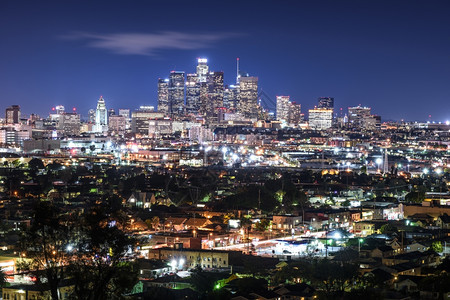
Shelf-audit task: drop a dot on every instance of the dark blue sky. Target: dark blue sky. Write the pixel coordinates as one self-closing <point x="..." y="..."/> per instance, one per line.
<point x="393" y="56"/>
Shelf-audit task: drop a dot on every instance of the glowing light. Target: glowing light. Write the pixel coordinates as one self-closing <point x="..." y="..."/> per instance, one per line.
<point x="181" y="263"/>
<point x="425" y="171"/>
<point x="173" y="264"/>
<point x="337" y="236"/>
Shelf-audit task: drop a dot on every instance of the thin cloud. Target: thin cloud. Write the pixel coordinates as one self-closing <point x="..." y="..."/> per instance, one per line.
<point x="149" y="43"/>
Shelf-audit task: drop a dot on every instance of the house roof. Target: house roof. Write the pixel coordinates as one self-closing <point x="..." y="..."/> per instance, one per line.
<point x="444" y="218"/>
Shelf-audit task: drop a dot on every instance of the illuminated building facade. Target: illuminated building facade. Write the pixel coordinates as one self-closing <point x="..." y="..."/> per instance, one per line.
<point x="13" y="114"/>
<point x="215" y="93"/>
<point x="202" y="69"/>
<point x="320" y="118"/>
<point x="325" y="102"/>
<point x="176" y="93"/>
<point x="283" y="104"/>
<point x="163" y="95"/>
<point x="295" y="113"/>
<point x="192" y="94"/>
<point x="231" y="97"/>
<point x="356" y="115"/>
<point x="248" y="97"/>
<point x="101" y="116"/>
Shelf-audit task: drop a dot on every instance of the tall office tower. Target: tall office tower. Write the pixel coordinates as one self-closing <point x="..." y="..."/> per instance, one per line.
<point x="248" y="97"/>
<point x="125" y="112"/>
<point x="101" y="116"/>
<point x="111" y="112"/>
<point x="163" y="95"/>
<point x="356" y="115"/>
<point x="60" y="109"/>
<point x="215" y="92"/>
<point x="12" y="114"/>
<point x="295" y="113"/>
<point x="204" y="98"/>
<point x="91" y="116"/>
<point x="283" y="104"/>
<point x="231" y="96"/>
<point x="202" y="69"/>
<point x="192" y="94"/>
<point x="176" y="93"/>
<point x="320" y="118"/>
<point x="326" y="102"/>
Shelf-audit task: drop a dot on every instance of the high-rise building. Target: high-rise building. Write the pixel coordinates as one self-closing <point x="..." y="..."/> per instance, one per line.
<point x="283" y="104"/>
<point x="320" y="118"/>
<point x="192" y="94"/>
<point x="295" y="113"/>
<point x="326" y="102"/>
<point x="111" y="112"/>
<point x="248" y="97"/>
<point x="202" y="69"/>
<point x="215" y="93"/>
<point x="231" y="97"/>
<point x="101" y="116"/>
<point x="125" y="112"/>
<point x="356" y="115"/>
<point x="176" y="93"/>
<point x="13" y="114"/>
<point x="163" y="95"/>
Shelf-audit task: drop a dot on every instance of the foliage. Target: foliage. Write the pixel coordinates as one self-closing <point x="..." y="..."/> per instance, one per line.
<point x="262" y="225"/>
<point x="387" y="229"/>
<point x="437" y="246"/>
<point x="89" y="251"/>
<point x="43" y="244"/>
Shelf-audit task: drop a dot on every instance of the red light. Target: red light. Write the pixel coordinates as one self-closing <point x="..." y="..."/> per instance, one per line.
<point x="74" y="109"/>
<point x="53" y="108"/>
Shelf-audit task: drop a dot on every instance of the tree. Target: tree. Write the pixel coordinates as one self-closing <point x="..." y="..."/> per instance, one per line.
<point x="35" y="164"/>
<point x="44" y="245"/>
<point x="387" y="229"/>
<point x="437" y="246"/>
<point x="262" y="225"/>
<point x="99" y="270"/>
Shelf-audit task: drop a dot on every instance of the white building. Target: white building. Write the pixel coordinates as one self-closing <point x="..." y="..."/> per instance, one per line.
<point x="320" y="118"/>
<point x="283" y="108"/>
<point x="101" y="116"/>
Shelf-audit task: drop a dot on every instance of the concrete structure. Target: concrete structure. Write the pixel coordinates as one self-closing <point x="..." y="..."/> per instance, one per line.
<point x="320" y="118"/>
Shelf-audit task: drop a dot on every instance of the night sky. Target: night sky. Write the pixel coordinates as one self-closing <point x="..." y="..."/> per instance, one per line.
<point x="393" y="56"/>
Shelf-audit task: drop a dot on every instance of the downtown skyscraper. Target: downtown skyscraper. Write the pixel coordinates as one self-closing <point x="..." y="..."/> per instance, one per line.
<point x="176" y="93"/>
<point x="192" y="94"/>
<point x="283" y="104"/>
<point x="163" y="95"/>
<point x="248" y="97"/>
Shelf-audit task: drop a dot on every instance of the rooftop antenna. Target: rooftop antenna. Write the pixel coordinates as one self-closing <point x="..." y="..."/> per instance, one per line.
<point x="237" y="70"/>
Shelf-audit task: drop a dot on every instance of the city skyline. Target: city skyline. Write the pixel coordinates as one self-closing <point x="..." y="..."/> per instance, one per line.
<point x="380" y="55"/>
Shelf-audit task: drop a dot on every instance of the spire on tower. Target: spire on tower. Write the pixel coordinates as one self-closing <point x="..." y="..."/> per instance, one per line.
<point x="237" y="71"/>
